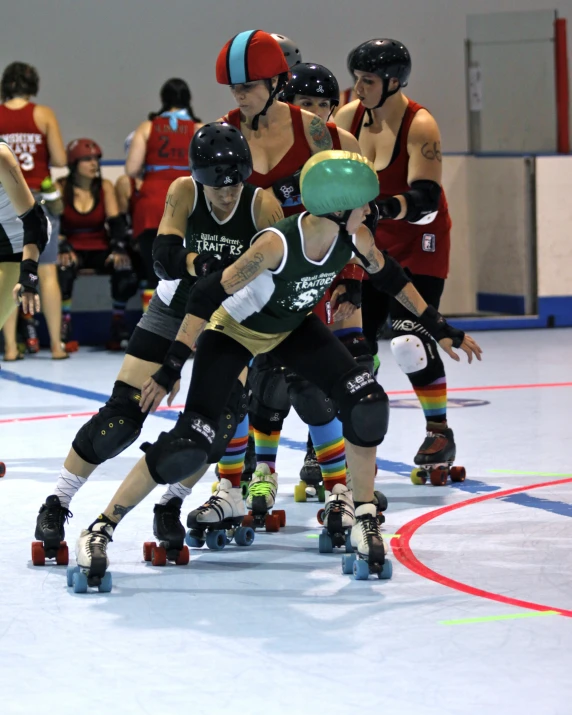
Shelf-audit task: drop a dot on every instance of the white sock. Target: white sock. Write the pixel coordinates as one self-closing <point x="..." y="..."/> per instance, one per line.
<point x="175" y="490"/>
<point x="67" y="486"/>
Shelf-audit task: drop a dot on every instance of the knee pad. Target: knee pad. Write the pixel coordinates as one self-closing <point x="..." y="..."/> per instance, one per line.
<point x="313" y="406"/>
<point x="66" y="279"/>
<point x="418" y="357"/>
<point x="364" y="408"/>
<point x="269" y="398"/>
<point x="233" y="414"/>
<point x="116" y="426"/>
<point x="124" y="285"/>
<point x="359" y="349"/>
<point x="182" y="451"/>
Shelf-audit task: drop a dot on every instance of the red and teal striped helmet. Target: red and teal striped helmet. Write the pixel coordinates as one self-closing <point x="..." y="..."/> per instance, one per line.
<point x="249" y="56"/>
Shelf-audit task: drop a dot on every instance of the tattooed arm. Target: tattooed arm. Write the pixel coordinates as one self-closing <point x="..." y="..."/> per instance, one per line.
<point x="317" y="133"/>
<point x="267" y="210"/>
<point x="265" y="253"/>
<point x="424" y="149"/>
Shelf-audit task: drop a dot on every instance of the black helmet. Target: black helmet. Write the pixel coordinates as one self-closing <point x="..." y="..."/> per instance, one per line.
<point x="387" y="59"/>
<point x="312" y="81"/>
<point x="219" y="156"/>
<point x="291" y="52"/>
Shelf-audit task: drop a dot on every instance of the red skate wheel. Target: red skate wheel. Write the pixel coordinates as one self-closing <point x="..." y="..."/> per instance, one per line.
<point x="184" y="557"/>
<point x="458" y="474"/>
<point x="281" y="514"/>
<point x="158" y="555"/>
<point x="272" y="523"/>
<point x="38" y="554"/>
<point x="2" y="469"/>
<point x="72" y="346"/>
<point x="63" y="555"/>
<point x="438" y="477"/>
<point x="320" y="516"/>
<point x="147" y="548"/>
<point x="248" y="520"/>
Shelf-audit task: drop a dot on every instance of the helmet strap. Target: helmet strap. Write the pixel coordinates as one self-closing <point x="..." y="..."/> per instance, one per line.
<point x="385" y="95"/>
<point x="273" y="92"/>
<point x="345" y="236"/>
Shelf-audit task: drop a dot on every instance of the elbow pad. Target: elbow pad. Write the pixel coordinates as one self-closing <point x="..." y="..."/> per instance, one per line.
<point x="170" y="257"/>
<point x="206" y="296"/>
<point x="36" y="227"/>
<point x="391" y="279"/>
<point x="422" y="201"/>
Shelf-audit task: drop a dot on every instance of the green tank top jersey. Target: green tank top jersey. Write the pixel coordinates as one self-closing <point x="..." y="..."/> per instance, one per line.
<point x="206" y="233"/>
<point x="278" y="301"/>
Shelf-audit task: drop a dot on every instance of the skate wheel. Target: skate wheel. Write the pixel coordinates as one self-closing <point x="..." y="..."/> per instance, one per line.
<point x="158" y="555"/>
<point x="325" y="545"/>
<point x="419" y="476"/>
<point x="147" y="549"/>
<point x="63" y="555"/>
<point x="69" y="574"/>
<point x="349" y="547"/>
<point x="193" y="541"/>
<point x="458" y="474"/>
<point x="38" y="554"/>
<point x="361" y="570"/>
<point x="216" y="540"/>
<point x="381" y="501"/>
<point x="214" y="487"/>
<point x="386" y="570"/>
<point x="184" y="557"/>
<point x="300" y="492"/>
<point x="438" y="477"/>
<point x="248" y="520"/>
<point x="106" y="584"/>
<point x="281" y="514"/>
<point x="271" y="523"/>
<point x="348" y="563"/>
<point x="321" y="494"/>
<point x="79" y="582"/>
<point x="72" y="346"/>
<point x="244" y="536"/>
<point x="320" y="516"/>
<point x="2" y="470"/>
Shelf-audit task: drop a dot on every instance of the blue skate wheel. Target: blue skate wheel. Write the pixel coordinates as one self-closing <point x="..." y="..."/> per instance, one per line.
<point x="325" y="545"/>
<point x="244" y="536"/>
<point x="193" y="542"/>
<point x="69" y="573"/>
<point x="348" y="563"/>
<point x="106" y="584"/>
<point x="387" y="570"/>
<point x="349" y="547"/>
<point x="216" y="540"/>
<point x="361" y="570"/>
<point x="79" y="582"/>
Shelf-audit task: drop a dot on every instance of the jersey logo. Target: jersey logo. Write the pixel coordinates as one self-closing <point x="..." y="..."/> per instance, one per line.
<point x="428" y="242"/>
<point x="320" y="89"/>
<point x="304" y="300"/>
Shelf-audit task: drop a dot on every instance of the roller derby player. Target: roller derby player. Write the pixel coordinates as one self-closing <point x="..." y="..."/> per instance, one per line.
<point x="211" y="214"/>
<point x="261" y="304"/>
<point x="402" y="140"/>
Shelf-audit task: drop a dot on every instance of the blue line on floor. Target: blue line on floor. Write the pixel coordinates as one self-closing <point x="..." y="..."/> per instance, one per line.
<point x="554" y="507"/>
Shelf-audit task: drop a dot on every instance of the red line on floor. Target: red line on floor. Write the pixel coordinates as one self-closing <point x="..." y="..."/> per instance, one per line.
<point x="404" y="553"/>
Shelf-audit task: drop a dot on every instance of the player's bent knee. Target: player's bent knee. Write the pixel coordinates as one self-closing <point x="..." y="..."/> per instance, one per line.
<point x="269" y="397"/>
<point x="418" y="357"/>
<point x="114" y="428"/>
<point x="233" y="414"/>
<point x="313" y="406"/>
<point x="364" y="408"/>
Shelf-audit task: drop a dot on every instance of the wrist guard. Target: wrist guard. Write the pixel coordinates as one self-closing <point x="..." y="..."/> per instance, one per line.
<point x="170" y="371"/>
<point x="117" y="234"/>
<point x="438" y="328"/>
<point x="353" y="292"/>
<point x="28" y="276"/>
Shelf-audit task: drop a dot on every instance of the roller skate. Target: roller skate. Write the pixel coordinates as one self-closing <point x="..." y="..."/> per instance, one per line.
<point x="367" y="542"/>
<point x="249" y="467"/>
<point x="260" y="500"/>
<point x="91" y="557"/>
<point x="119" y="334"/>
<point x="338" y="519"/>
<point x="27" y="328"/>
<point x="50" y="533"/>
<point x="379" y="499"/>
<point x="2" y="470"/>
<point x="69" y="345"/>
<point x="436" y="456"/>
<point x="311" y="482"/>
<point x="219" y="520"/>
<point x="170" y="534"/>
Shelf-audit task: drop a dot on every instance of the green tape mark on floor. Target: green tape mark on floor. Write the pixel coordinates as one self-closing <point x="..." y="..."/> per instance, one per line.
<point x="312" y="536"/>
<point x="507" y="617"/>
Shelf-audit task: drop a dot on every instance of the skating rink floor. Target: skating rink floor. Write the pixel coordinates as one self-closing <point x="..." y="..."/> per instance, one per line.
<point x="476" y="619"/>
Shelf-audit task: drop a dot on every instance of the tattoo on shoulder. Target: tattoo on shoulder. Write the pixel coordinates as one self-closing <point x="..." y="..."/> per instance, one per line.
<point x="244" y="269"/>
<point x="406" y="303"/>
<point x="121" y="511"/>
<point x="170" y="204"/>
<point x="320" y="134"/>
<point x="432" y="151"/>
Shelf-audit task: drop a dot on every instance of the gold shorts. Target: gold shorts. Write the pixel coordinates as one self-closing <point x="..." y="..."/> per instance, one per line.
<point x="256" y="342"/>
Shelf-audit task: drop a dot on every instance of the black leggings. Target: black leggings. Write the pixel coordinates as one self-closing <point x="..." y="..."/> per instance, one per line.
<point x="377" y="306"/>
<point x="311" y="350"/>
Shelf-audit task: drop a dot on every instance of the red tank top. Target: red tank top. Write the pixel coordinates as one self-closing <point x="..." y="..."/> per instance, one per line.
<point x="337" y="144"/>
<point x="28" y="143"/>
<point x="167" y="155"/>
<point x="424" y="249"/>
<point x="85" y="231"/>
<point x="291" y="162"/>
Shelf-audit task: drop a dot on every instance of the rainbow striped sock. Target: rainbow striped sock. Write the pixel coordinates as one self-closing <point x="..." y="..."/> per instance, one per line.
<point x="232" y="463"/>
<point x="66" y="306"/>
<point x="266" y="448"/>
<point x="433" y="399"/>
<point x="330" y="451"/>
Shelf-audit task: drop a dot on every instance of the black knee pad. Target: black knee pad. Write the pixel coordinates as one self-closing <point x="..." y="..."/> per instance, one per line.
<point x="416" y="353"/>
<point x="233" y="414"/>
<point x="182" y="451"/>
<point x="313" y="406"/>
<point x="124" y="285"/>
<point x="269" y="398"/>
<point x="364" y="408"/>
<point x="66" y="279"/>
<point x="359" y="348"/>
<point x="116" y="426"/>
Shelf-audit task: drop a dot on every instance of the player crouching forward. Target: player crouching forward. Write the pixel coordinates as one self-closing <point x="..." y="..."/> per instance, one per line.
<point x="261" y="304"/>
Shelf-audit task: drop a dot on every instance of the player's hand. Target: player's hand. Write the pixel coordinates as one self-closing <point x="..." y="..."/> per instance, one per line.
<point x="342" y="308"/>
<point x="468" y="346"/>
<point x="152" y="395"/>
<point x="30" y="302"/>
<point x="120" y="261"/>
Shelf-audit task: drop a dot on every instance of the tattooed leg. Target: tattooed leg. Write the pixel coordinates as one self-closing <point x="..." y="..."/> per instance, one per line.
<point x="136" y="486"/>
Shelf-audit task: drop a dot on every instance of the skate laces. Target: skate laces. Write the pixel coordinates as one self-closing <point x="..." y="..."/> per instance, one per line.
<point x="263" y="486"/>
<point x="56" y="514"/>
<point x="370" y="526"/>
<point x="97" y="540"/>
